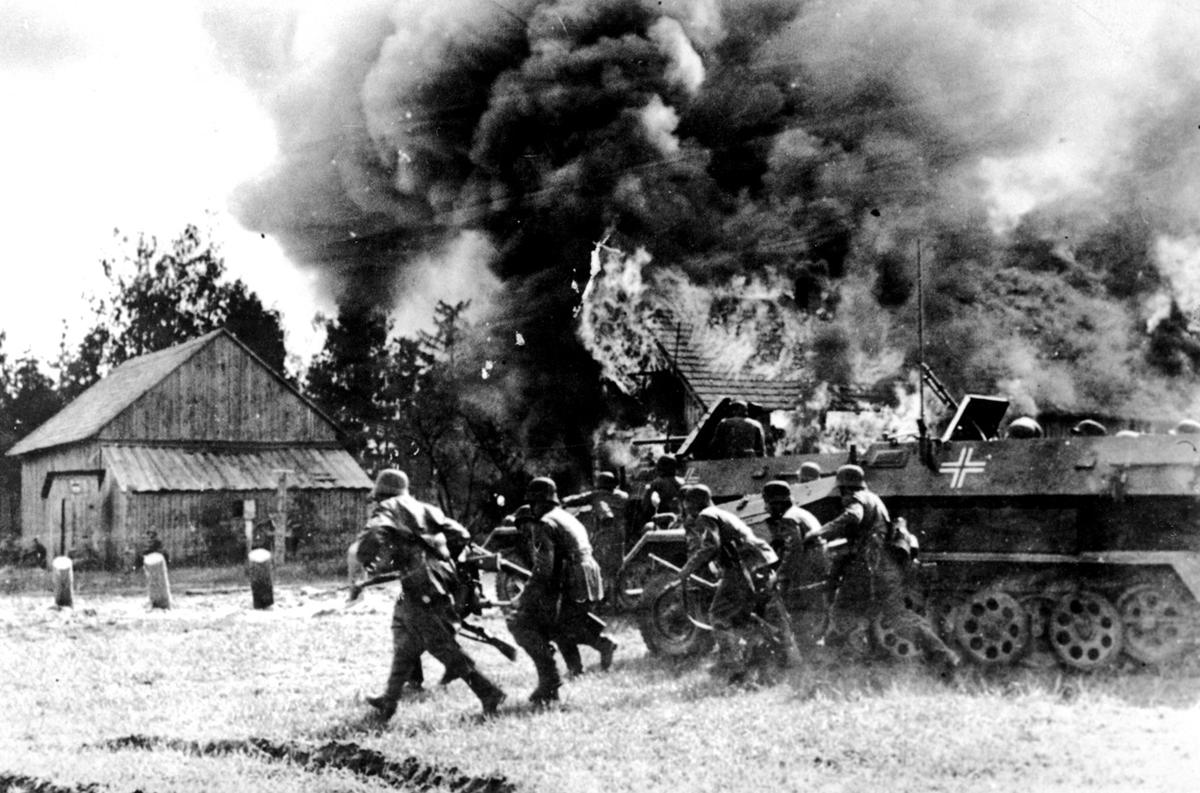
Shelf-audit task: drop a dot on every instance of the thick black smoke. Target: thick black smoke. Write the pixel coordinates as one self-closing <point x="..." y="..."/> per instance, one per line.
<point x="1038" y="155"/>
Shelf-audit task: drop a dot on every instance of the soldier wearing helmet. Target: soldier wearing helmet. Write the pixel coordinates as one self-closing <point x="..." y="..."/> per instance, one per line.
<point x="801" y="564"/>
<point x="1024" y="427"/>
<point x="869" y="580"/>
<point x="661" y="496"/>
<point x="606" y="522"/>
<point x="738" y="435"/>
<point x="423" y="544"/>
<point x="809" y="472"/>
<point x="1186" y="427"/>
<point x="566" y="581"/>
<point x="747" y="587"/>
<point x="1089" y="428"/>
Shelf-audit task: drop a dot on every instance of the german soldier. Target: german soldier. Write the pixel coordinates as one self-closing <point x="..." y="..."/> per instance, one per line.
<point x="746" y="600"/>
<point x="422" y="543"/>
<point x="870" y="578"/>
<point x="609" y="507"/>
<point x="565" y="583"/>
<point x="738" y="435"/>
<point x="803" y="567"/>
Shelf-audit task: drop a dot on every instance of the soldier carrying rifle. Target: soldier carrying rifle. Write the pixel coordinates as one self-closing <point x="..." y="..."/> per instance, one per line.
<point x="422" y="543"/>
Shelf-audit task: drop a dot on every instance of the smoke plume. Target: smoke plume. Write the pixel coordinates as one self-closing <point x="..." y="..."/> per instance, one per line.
<point x="784" y="158"/>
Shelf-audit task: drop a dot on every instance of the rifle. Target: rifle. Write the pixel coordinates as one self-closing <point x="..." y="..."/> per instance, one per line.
<point x="469" y="630"/>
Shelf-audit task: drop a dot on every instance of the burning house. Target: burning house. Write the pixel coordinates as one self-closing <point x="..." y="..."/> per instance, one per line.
<point x="200" y="443"/>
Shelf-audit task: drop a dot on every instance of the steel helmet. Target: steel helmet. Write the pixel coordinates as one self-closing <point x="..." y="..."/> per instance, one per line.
<point x="1024" y="427"/>
<point x="776" y="490"/>
<point x="390" y="482"/>
<point x="1089" y="427"/>
<point x="851" y="476"/>
<point x="542" y="489"/>
<point x="738" y="407"/>
<point x="809" y="471"/>
<point x="666" y="464"/>
<point x="697" y="495"/>
<point x="606" y="480"/>
<point x="1186" y="427"/>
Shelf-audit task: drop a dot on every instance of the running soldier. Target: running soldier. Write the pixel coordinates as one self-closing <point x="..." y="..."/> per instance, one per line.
<point x="869" y="580"/>
<point x="422" y="543"/>
<point x="746" y="603"/>
<point x="609" y="509"/>
<point x="565" y="584"/>
<point x="803" y="567"/>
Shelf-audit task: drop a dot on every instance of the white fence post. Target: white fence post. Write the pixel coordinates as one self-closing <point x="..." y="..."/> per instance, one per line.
<point x="157" y="583"/>
<point x="261" y="587"/>
<point x="63" y="571"/>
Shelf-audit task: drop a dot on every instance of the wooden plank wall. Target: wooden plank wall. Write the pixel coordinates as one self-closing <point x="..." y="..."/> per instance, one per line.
<point x="36" y="514"/>
<point x="203" y="527"/>
<point x="221" y="394"/>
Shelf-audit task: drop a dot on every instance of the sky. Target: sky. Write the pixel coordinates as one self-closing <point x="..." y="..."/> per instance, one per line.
<point x="121" y="115"/>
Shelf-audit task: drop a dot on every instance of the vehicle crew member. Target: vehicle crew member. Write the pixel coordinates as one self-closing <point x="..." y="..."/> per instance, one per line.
<point x="809" y="472"/>
<point x="870" y="578"/>
<point x="803" y="567"/>
<point x="661" y="496"/>
<point x="422" y="544"/>
<point x="565" y="583"/>
<point x="747" y="586"/>
<point x="609" y="509"/>
<point x="738" y="435"/>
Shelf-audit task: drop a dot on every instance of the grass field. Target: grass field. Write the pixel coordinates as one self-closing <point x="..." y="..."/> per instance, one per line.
<point x="213" y="695"/>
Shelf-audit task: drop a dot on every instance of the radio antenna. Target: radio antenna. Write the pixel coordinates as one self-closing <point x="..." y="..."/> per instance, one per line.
<point x="921" y="430"/>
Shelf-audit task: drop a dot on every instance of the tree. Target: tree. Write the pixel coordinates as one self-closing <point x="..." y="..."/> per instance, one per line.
<point x="162" y="297"/>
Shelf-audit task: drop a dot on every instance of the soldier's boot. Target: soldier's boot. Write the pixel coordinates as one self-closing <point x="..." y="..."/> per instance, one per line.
<point x="571" y="657"/>
<point x="490" y="695"/>
<point x="548" y="684"/>
<point x="385" y="706"/>
<point x="607" y="648"/>
<point x="729" y="654"/>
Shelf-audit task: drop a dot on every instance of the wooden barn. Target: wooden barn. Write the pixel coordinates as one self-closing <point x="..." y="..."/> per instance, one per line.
<point x="200" y="443"/>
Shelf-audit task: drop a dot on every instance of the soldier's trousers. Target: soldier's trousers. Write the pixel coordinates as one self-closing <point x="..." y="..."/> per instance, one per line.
<point x="418" y="628"/>
<point x="872" y="587"/>
<point x="540" y="618"/>
<point x="732" y="616"/>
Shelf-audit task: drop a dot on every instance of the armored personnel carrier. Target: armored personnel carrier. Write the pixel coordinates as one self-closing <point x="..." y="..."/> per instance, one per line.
<point x="1078" y="550"/>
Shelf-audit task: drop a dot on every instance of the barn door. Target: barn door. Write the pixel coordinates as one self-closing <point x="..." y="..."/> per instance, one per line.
<point x="73" y="516"/>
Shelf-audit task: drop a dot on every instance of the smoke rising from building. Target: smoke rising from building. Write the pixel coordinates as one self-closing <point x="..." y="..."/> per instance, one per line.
<point x="1039" y="153"/>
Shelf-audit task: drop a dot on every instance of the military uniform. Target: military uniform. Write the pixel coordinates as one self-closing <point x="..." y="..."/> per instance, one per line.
<point x="609" y="508"/>
<point x="420" y="540"/>
<point x="803" y="570"/>
<point x="739" y="436"/>
<point x="554" y="605"/>
<point x="747" y="585"/>
<point x="869" y="580"/>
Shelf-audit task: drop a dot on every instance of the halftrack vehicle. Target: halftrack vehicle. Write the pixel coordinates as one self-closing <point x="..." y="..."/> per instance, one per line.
<point x="1077" y="550"/>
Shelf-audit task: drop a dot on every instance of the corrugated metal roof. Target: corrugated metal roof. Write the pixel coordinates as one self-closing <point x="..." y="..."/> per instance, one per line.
<point x="88" y="413"/>
<point x="160" y="468"/>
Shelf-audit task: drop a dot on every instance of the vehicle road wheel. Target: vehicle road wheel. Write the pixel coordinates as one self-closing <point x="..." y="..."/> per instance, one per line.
<point x="664" y="624"/>
<point x="992" y="628"/>
<point x="634" y="575"/>
<point x="886" y="636"/>
<point x="1085" y="630"/>
<point x="1158" y="625"/>
<point x="508" y="585"/>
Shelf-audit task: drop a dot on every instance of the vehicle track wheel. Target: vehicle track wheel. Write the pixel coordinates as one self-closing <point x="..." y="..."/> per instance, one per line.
<point x="943" y="611"/>
<point x="1038" y="654"/>
<point x="664" y="624"/>
<point x="992" y="628"/>
<point x="886" y="637"/>
<point x="1085" y="630"/>
<point x="1157" y="622"/>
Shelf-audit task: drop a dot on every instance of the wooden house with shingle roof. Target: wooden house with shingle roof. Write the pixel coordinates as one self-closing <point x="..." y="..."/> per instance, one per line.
<point x="191" y="442"/>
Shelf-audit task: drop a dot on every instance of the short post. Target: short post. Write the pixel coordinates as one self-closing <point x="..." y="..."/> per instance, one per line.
<point x="157" y="584"/>
<point x="63" y="572"/>
<point x="261" y="588"/>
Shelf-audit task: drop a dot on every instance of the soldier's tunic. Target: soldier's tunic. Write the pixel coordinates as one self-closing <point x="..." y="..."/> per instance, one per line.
<point x="739" y="436"/>
<point x="869" y="580"/>
<point x="425" y="618"/>
<point x="803" y="571"/>
<point x="554" y="605"/>
<point x="607" y="531"/>
<point x="668" y="489"/>
<point x="747" y="586"/>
